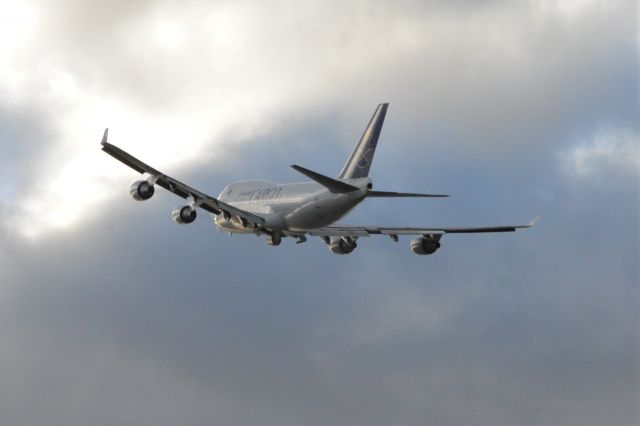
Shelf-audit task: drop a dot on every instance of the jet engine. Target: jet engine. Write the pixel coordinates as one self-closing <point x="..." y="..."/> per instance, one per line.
<point x="344" y="245"/>
<point x="427" y="244"/>
<point x="141" y="190"/>
<point x="183" y="214"/>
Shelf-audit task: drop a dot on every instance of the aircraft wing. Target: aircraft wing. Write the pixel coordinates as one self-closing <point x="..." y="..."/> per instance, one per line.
<point x="182" y="190"/>
<point x="365" y="231"/>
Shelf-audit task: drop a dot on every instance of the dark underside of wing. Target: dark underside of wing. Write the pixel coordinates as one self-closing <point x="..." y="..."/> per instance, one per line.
<point x="403" y="194"/>
<point x="363" y="231"/>
<point x="182" y="190"/>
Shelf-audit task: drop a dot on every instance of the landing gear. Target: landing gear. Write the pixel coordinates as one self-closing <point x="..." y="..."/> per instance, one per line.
<point x="274" y="239"/>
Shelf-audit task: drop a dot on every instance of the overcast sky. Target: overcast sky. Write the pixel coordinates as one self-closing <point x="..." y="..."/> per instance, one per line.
<point x="110" y="314"/>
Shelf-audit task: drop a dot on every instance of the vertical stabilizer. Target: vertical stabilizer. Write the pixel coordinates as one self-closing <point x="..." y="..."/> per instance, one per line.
<point x="359" y="162"/>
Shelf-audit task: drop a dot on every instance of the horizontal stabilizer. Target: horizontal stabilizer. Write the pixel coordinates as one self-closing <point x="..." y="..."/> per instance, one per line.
<point x="402" y="194"/>
<point x="331" y="184"/>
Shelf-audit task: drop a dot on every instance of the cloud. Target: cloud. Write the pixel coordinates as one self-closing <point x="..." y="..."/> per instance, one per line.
<point x="120" y="317"/>
<point x="141" y="320"/>
<point x="185" y="84"/>
<point x="608" y="152"/>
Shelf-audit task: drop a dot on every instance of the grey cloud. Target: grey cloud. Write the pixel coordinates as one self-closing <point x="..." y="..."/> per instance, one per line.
<point x="127" y="318"/>
<point x="24" y="131"/>
<point x="141" y="320"/>
<point x="499" y="79"/>
<point x="470" y="72"/>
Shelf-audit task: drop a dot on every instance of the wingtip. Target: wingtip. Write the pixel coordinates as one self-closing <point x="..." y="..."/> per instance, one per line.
<point x="535" y="220"/>
<point x="105" y="136"/>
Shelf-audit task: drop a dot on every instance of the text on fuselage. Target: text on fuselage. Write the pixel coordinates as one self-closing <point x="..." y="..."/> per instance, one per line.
<point x="259" y="194"/>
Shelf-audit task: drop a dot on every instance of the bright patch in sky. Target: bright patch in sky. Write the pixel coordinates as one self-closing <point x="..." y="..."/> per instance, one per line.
<point x="618" y="150"/>
<point x="17" y="20"/>
<point x="166" y="134"/>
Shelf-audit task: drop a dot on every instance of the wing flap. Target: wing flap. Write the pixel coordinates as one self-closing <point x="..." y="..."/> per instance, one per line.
<point x="402" y="194"/>
<point x="126" y="158"/>
<point x="341" y="231"/>
<point x="364" y="231"/>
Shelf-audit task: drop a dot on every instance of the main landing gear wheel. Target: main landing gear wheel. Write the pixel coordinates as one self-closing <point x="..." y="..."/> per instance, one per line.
<point x="274" y="239"/>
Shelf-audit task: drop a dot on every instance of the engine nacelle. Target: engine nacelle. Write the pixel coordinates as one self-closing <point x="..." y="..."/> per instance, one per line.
<point x="343" y="246"/>
<point x="141" y="190"/>
<point x="183" y="214"/>
<point x="427" y="244"/>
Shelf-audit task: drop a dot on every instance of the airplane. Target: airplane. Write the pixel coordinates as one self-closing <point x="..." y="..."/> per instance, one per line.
<point x="296" y="210"/>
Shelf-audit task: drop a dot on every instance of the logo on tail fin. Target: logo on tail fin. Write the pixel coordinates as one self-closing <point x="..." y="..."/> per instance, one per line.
<point x="359" y="162"/>
<point x="365" y="159"/>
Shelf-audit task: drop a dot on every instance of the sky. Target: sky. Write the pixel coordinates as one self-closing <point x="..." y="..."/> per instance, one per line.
<point x="111" y="314"/>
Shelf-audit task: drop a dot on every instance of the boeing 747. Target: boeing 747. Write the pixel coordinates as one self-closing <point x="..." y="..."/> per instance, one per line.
<point x="297" y="209"/>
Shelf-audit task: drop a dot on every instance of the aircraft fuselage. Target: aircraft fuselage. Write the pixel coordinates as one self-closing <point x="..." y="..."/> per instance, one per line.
<point x="292" y="207"/>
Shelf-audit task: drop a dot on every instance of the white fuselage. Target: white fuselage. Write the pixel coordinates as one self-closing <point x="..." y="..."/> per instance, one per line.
<point x="292" y="208"/>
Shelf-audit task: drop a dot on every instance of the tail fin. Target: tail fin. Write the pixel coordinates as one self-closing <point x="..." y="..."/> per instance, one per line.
<point x="359" y="162"/>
